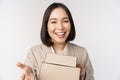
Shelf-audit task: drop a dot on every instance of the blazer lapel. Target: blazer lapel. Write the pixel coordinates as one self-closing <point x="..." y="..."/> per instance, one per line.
<point x="69" y="50"/>
<point x="45" y="50"/>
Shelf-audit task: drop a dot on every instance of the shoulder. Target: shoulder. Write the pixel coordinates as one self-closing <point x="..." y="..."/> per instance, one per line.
<point x="38" y="52"/>
<point x="76" y="47"/>
<point x="36" y="47"/>
<point x="35" y="50"/>
<point x="39" y="47"/>
<point x="78" y="51"/>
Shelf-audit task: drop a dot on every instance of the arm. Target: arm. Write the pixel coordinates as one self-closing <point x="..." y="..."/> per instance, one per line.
<point x="85" y="64"/>
<point x="88" y="67"/>
<point x="27" y="74"/>
<point x="82" y="72"/>
<point x="29" y="68"/>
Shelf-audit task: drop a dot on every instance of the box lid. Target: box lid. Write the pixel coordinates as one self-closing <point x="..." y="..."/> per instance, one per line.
<point x="61" y="60"/>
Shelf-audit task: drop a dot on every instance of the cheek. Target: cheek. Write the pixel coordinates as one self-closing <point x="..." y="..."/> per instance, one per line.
<point x="50" y="30"/>
<point x="68" y="28"/>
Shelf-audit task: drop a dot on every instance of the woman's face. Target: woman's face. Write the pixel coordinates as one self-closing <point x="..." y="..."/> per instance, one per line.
<point x="59" y="25"/>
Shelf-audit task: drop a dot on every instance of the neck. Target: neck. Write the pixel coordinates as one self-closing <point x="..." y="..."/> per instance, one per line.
<point x="59" y="47"/>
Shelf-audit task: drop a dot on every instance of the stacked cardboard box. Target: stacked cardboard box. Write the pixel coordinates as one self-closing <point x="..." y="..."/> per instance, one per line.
<point x="59" y="67"/>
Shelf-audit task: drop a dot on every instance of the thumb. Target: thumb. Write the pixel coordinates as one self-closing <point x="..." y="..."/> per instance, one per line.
<point x="24" y="67"/>
<point x="20" y="65"/>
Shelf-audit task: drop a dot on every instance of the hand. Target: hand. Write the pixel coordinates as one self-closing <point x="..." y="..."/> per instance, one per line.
<point x="82" y="72"/>
<point x="27" y="72"/>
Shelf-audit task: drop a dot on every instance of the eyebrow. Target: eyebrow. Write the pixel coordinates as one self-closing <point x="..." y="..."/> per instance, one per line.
<point x="65" y="18"/>
<point x="56" y="18"/>
<point x="53" y="19"/>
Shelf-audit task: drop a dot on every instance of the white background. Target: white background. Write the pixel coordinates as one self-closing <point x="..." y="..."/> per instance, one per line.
<point x="97" y="25"/>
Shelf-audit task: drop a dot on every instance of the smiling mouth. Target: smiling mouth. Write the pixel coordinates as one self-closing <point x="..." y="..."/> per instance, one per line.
<point x="60" y="33"/>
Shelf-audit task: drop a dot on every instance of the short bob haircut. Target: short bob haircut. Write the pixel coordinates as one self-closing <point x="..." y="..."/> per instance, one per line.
<point x="45" y="38"/>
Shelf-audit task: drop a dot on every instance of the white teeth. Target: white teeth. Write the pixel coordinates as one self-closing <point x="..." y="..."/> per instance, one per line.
<point x="60" y="33"/>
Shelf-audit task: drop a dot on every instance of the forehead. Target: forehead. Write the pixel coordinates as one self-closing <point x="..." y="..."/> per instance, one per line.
<point x="58" y="13"/>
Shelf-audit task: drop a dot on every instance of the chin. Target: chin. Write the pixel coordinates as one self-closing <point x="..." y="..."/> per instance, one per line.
<point x="61" y="42"/>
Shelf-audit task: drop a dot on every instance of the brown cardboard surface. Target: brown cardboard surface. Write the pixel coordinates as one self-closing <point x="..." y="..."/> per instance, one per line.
<point x="59" y="67"/>
<point x="61" y="60"/>
<point x="55" y="72"/>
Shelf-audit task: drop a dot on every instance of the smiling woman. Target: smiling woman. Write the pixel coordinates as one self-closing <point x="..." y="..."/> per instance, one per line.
<point x="59" y="26"/>
<point x="56" y="33"/>
<point x="53" y="13"/>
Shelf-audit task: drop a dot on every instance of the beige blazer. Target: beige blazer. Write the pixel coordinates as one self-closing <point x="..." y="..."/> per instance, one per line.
<point x="37" y="55"/>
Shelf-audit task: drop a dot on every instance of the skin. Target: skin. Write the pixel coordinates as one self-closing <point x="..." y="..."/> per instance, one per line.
<point x="59" y="29"/>
<point x="27" y="72"/>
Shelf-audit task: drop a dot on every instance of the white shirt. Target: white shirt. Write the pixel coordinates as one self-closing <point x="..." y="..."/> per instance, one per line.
<point x="64" y="51"/>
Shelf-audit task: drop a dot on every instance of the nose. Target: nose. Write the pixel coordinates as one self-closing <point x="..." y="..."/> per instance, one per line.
<point x="60" y="26"/>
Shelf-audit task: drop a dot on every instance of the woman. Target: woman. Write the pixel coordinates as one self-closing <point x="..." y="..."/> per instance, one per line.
<point x="56" y="33"/>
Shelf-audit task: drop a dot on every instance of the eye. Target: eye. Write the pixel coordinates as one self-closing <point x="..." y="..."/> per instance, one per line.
<point x="66" y="20"/>
<point x="53" y="22"/>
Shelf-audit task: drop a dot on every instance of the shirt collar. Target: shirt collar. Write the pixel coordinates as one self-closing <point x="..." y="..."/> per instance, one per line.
<point x="64" y="51"/>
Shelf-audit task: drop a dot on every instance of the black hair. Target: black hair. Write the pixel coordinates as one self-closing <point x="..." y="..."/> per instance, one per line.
<point x="45" y="38"/>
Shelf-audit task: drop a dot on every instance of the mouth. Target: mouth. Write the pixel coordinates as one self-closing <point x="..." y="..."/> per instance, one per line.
<point x="60" y="33"/>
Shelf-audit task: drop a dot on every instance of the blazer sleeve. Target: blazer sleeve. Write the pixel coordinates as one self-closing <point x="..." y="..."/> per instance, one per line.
<point x="88" y="66"/>
<point x="32" y="62"/>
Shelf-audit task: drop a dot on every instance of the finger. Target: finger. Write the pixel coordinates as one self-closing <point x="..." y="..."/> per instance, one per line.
<point x="79" y="65"/>
<point x="22" y="77"/>
<point x="32" y="78"/>
<point x="82" y="71"/>
<point x="20" y="65"/>
<point x="27" y="78"/>
<point x="24" y="67"/>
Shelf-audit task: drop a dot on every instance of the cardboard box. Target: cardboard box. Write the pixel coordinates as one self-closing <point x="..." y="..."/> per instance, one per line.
<point x="61" y="60"/>
<point x="55" y="70"/>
